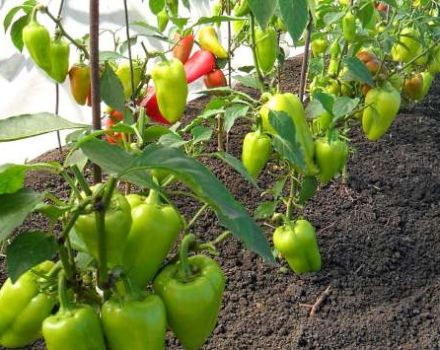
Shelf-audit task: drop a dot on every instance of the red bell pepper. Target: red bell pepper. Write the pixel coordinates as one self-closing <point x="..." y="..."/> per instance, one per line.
<point x="113" y="118"/>
<point x="200" y="64"/>
<point x="183" y="47"/>
<point x="214" y="79"/>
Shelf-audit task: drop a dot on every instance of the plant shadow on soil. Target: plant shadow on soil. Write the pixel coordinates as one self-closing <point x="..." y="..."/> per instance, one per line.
<point x="379" y="239"/>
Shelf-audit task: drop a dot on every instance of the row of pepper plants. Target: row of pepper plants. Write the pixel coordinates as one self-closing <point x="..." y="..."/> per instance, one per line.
<point x="103" y="272"/>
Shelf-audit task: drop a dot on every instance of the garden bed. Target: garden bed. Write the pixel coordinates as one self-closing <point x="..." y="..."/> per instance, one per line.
<point x="379" y="237"/>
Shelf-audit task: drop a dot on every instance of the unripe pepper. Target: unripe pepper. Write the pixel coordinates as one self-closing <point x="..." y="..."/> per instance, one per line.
<point x="266" y="48"/>
<point x="331" y="156"/>
<point x="59" y="57"/>
<point x="162" y="20"/>
<point x="124" y="74"/>
<point x="192" y="291"/>
<point x="428" y="78"/>
<point x="36" y="39"/>
<point x="434" y="62"/>
<point x="73" y="327"/>
<point x="291" y="104"/>
<point x="241" y="8"/>
<point x="136" y="321"/>
<point x="256" y="152"/>
<point x="319" y="46"/>
<point x="407" y="47"/>
<point x="117" y="226"/>
<point x="24" y="308"/>
<point x="153" y="233"/>
<point x="297" y="243"/>
<point x="396" y="81"/>
<point x="182" y="49"/>
<point x="214" y="79"/>
<point x="171" y="88"/>
<point x="79" y="76"/>
<point x="382" y="105"/>
<point x="349" y="27"/>
<point x="209" y="41"/>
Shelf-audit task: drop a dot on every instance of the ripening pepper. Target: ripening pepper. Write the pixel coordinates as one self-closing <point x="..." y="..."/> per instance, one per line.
<point x="349" y="27"/>
<point x="407" y="47"/>
<point x="59" y="57"/>
<point x="266" y="48"/>
<point x="291" y="104"/>
<point x="136" y="321"/>
<point x="162" y="20"/>
<point x="153" y="233"/>
<point x="171" y="88"/>
<point x="241" y="8"/>
<point x="24" y="308"/>
<point x="117" y="226"/>
<point x="208" y="40"/>
<point x="331" y="156"/>
<point x="214" y="79"/>
<point x="297" y="243"/>
<point x="256" y="152"/>
<point x="413" y="87"/>
<point x="79" y="76"/>
<point x="183" y="47"/>
<point x="192" y="291"/>
<point x="382" y="104"/>
<point x="73" y="327"/>
<point x="124" y="74"/>
<point x="37" y="41"/>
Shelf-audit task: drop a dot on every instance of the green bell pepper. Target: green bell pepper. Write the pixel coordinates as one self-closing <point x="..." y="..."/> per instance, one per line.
<point x="331" y="156"/>
<point x="192" y="291"/>
<point x="256" y="152"/>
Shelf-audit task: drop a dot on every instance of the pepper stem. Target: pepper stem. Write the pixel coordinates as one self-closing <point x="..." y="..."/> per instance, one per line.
<point x="65" y="302"/>
<point x="153" y="197"/>
<point x="185" y="268"/>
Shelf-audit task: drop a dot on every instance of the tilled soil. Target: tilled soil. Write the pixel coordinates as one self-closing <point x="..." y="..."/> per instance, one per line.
<point x="379" y="238"/>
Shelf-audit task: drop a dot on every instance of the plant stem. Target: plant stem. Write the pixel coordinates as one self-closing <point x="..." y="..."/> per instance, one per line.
<point x="57" y="104"/>
<point x="228" y="9"/>
<point x="65" y="303"/>
<point x="127" y="32"/>
<point x="197" y="216"/>
<point x="220" y="133"/>
<point x="291" y="198"/>
<point x="254" y="53"/>
<point x="94" y="76"/>
<point x="71" y="184"/>
<point x="81" y="180"/>
<point x="305" y="62"/>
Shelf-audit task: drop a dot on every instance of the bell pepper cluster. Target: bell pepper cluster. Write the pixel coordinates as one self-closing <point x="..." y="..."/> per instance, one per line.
<point x="185" y="293"/>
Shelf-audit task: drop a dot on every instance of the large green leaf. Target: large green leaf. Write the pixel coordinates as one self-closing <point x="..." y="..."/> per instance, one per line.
<point x="263" y="10"/>
<point x="295" y="14"/>
<point x="358" y="71"/>
<point x="27" y="250"/>
<point x="29" y="125"/>
<point x="14" y="208"/>
<point x="193" y="174"/>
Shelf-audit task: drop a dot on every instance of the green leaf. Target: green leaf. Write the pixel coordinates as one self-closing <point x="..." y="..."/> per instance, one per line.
<point x="215" y="20"/>
<point x="308" y="189"/>
<point x="314" y="109"/>
<point x="77" y="157"/>
<point x="109" y="56"/>
<point x="156" y="6"/>
<point x="232" y="113"/>
<point x="28" y="250"/>
<point x="14" y="208"/>
<point x="250" y="80"/>
<point x="16" y="31"/>
<point x="52" y="211"/>
<point x="172" y="140"/>
<point x="201" y="133"/>
<point x="366" y="13"/>
<point x="11" y="178"/>
<point x="284" y="140"/>
<point x="325" y="99"/>
<point x="263" y="10"/>
<point x="10" y="16"/>
<point x="358" y="71"/>
<point x="295" y="14"/>
<point x="344" y="106"/>
<point x="29" y="125"/>
<point x="112" y="92"/>
<point x="265" y="210"/>
<point x="237" y="165"/>
<point x="192" y="173"/>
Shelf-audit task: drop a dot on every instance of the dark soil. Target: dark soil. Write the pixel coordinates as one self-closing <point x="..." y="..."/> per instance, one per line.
<point x="379" y="238"/>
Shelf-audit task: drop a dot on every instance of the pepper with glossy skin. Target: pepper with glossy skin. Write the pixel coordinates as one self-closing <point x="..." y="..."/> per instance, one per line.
<point x="428" y="78"/>
<point x="208" y="40"/>
<point x="256" y="152"/>
<point x="59" y="57"/>
<point x="413" y="87"/>
<point x="73" y="327"/>
<point x="349" y="27"/>
<point x="182" y="49"/>
<point x="37" y="41"/>
<point x="162" y="20"/>
<point x="153" y="233"/>
<point x="117" y="226"/>
<point x="171" y="88"/>
<point x="124" y="74"/>
<point x="331" y="156"/>
<point x="266" y="48"/>
<point x="136" y="321"/>
<point x="291" y="104"/>
<point x="297" y="243"/>
<point x="407" y="47"/>
<point x="319" y="46"/>
<point x="214" y="79"/>
<point x="79" y="76"/>
<point x="24" y="308"/>
<point x="382" y="104"/>
<point x="192" y="291"/>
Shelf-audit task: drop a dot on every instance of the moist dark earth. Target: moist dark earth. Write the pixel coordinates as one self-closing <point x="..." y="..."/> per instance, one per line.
<point x="379" y="239"/>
